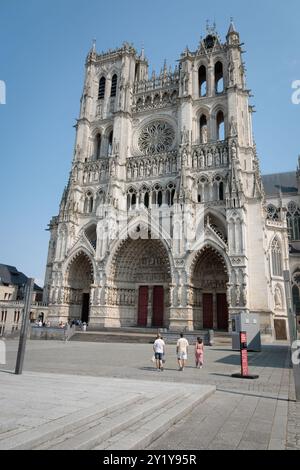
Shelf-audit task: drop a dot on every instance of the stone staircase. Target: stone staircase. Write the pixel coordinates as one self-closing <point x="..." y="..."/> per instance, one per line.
<point x="132" y="423"/>
<point x="146" y="336"/>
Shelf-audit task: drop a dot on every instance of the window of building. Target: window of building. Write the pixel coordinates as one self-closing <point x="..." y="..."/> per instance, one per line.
<point x="276" y="255"/>
<point x="88" y="203"/>
<point x="219" y="79"/>
<point x="203" y="129"/>
<point x="110" y="143"/>
<point x="98" y="146"/>
<point x="170" y="194"/>
<point x="131" y="199"/>
<point x="101" y="92"/>
<point x="221" y="191"/>
<point x="202" y="81"/>
<point x="272" y="212"/>
<point x="114" y="82"/>
<point x="220" y="126"/>
<point x="293" y="220"/>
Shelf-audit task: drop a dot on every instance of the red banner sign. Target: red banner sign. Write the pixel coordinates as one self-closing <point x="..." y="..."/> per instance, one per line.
<point x="244" y="354"/>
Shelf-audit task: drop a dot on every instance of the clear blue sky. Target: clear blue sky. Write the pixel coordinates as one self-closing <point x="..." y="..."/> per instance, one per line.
<point x="43" y="46"/>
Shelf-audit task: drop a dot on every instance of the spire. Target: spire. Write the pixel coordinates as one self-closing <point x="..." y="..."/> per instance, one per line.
<point x="165" y="69"/>
<point x="94" y="45"/>
<point x="143" y="52"/>
<point x="232" y="28"/>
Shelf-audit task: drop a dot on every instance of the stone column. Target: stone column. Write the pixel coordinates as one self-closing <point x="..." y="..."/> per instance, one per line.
<point x="150" y="306"/>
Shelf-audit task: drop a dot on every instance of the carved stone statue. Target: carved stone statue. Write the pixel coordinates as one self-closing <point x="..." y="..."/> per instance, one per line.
<point x="233" y="127"/>
<point x="237" y="294"/>
<point x="209" y="158"/>
<point x="233" y="152"/>
<point x="204" y="137"/>
<point x="278" y="299"/>
<point x="231" y="73"/>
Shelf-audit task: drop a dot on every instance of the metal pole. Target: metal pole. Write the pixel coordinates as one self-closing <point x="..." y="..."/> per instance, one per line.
<point x="24" y="327"/>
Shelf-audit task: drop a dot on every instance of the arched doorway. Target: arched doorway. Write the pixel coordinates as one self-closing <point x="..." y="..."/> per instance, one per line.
<point x="140" y="281"/>
<point x="79" y="278"/>
<point x="209" y="281"/>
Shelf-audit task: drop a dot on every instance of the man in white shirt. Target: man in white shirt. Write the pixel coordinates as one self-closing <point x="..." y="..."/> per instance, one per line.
<point x="182" y="351"/>
<point x="159" y="351"/>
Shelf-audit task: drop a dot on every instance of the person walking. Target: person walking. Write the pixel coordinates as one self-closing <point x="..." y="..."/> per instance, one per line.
<point x="199" y="351"/>
<point x="159" y="349"/>
<point x="182" y="351"/>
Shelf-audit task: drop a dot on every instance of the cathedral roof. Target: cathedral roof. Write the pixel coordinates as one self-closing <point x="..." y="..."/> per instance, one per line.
<point x="10" y="275"/>
<point x="280" y="182"/>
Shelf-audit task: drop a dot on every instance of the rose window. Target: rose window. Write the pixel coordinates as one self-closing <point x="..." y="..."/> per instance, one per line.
<point x="156" y="137"/>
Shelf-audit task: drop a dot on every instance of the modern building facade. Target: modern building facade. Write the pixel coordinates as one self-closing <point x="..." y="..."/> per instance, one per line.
<point x="165" y="221"/>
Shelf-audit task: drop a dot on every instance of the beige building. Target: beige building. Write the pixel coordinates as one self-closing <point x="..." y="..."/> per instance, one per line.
<point x="164" y="221"/>
<point x="12" y="289"/>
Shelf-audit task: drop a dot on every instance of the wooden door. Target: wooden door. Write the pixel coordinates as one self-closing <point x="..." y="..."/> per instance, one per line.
<point x="208" y="315"/>
<point x="158" y="306"/>
<point x="222" y="312"/>
<point x="143" y="306"/>
<point x="280" y="329"/>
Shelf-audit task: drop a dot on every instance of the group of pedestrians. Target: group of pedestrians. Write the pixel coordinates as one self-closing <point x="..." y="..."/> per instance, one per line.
<point x="182" y="346"/>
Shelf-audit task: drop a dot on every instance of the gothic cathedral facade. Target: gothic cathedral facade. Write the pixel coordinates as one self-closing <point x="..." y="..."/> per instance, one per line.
<point x="164" y="220"/>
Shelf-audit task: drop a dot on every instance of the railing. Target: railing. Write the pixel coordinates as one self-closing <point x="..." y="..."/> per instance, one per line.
<point x="210" y="155"/>
<point x="20" y="304"/>
<point x="151" y="166"/>
<point x="166" y="80"/>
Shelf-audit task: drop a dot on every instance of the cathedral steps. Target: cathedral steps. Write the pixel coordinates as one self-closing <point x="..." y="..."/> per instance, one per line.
<point x="40" y="436"/>
<point x="127" y="424"/>
<point x="143" y="432"/>
<point x="147" y="336"/>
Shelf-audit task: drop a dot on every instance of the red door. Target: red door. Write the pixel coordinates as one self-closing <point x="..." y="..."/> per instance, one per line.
<point x="222" y="312"/>
<point x="208" y="316"/>
<point x="143" y="306"/>
<point x="158" y="306"/>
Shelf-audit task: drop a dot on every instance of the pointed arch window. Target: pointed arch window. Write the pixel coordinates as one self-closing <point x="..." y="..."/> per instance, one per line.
<point x="296" y="291"/>
<point x="101" y="92"/>
<point x="221" y="191"/>
<point x="170" y="194"/>
<point x="98" y="146"/>
<point x="114" y="82"/>
<point x="219" y="78"/>
<point x="88" y="203"/>
<point x="293" y="220"/>
<point x="157" y="195"/>
<point x="202" y="81"/>
<point x="110" y="143"/>
<point x="276" y="255"/>
<point x="131" y="199"/>
<point x="146" y="199"/>
<point x="220" y="126"/>
<point x="203" y="129"/>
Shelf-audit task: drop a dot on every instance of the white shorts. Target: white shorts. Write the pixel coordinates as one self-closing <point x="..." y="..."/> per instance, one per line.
<point x="182" y="356"/>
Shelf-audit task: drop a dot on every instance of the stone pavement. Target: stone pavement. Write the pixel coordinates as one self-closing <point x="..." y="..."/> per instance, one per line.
<point x="241" y="414"/>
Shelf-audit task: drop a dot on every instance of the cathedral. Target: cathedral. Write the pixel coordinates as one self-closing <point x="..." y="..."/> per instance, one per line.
<point x="165" y="221"/>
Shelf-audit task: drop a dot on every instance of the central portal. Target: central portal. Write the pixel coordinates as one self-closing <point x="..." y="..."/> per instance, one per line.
<point x="142" y="267"/>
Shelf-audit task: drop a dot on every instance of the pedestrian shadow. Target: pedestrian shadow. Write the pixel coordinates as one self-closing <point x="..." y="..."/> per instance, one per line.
<point x="258" y="359"/>
<point x="5" y="371"/>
